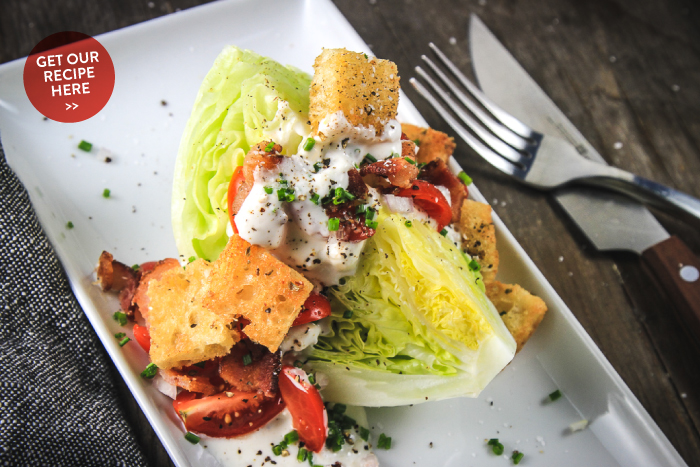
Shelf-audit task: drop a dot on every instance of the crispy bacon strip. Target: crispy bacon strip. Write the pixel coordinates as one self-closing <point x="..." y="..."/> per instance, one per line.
<point x="260" y="374"/>
<point x="256" y="157"/>
<point x="356" y="186"/>
<point x="117" y="277"/>
<point x="398" y="172"/>
<point x="437" y="173"/>
<point x="352" y="228"/>
<point x="408" y="148"/>
<point x="203" y="379"/>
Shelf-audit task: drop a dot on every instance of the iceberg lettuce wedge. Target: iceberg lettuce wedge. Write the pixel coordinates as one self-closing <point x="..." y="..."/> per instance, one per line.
<point x="244" y="99"/>
<point x="413" y="324"/>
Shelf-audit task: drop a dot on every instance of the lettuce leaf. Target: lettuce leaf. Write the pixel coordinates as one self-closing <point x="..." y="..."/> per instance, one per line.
<point x="244" y="99"/>
<point x="413" y="324"/>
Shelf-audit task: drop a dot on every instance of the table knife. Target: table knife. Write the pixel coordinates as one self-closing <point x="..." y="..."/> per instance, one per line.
<point x="610" y="221"/>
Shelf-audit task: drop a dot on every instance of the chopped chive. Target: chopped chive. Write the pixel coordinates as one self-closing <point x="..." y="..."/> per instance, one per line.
<point x="150" y="371"/>
<point x="315" y="198"/>
<point x="393" y="155"/>
<point x="364" y="433"/>
<point x="370" y="157"/>
<point x="417" y="141"/>
<point x="106" y="193"/>
<point x="291" y="437"/>
<point x="312" y="378"/>
<point x="85" y="146"/>
<point x="283" y="181"/>
<point x="366" y="57"/>
<point x="372" y="225"/>
<point x="277" y="450"/>
<point x="317" y="166"/>
<point x="302" y="455"/>
<point x="369" y="214"/>
<point x="247" y="359"/>
<point x="123" y="342"/>
<point x="268" y="190"/>
<point x="270" y="146"/>
<point x="410" y="161"/>
<point x="69" y="225"/>
<point x="136" y="267"/>
<point x="298" y="363"/>
<point x="333" y="224"/>
<point x="493" y="442"/>
<point x="120" y="318"/>
<point x="120" y="335"/>
<point x="384" y="442"/>
<point x="474" y="265"/>
<point x="347" y="314"/>
<point x="443" y="232"/>
<point x="192" y="438"/>
<point x="191" y="259"/>
<point x="496" y="446"/>
<point x="408" y="223"/>
<point x="309" y="144"/>
<point x="555" y="395"/>
<point x="466" y="179"/>
<point x="361" y="209"/>
<point x="286" y="194"/>
<point x="517" y="457"/>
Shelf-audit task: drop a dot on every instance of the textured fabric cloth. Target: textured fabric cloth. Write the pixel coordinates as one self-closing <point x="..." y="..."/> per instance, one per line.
<point x="58" y="403"/>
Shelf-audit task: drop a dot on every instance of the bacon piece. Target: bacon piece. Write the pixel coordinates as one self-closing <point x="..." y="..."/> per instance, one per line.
<point x="140" y="299"/>
<point x="351" y="228"/>
<point x="260" y="375"/>
<point x="356" y="186"/>
<point x="398" y="172"/>
<point x="118" y="277"/>
<point x="437" y="173"/>
<point x="408" y="149"/>
<point x="256" y="157"/>
<point x="203" y="379"/>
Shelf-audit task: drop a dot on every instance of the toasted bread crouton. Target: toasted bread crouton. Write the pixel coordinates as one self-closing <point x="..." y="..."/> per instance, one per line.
<point x="365" y="90"/>
<point x="183" y="331"/>
<point x="248" y="281"/>
<point x="479" y="237"/>
<point x="521" y="311"/>
<point x="432" y="144"/>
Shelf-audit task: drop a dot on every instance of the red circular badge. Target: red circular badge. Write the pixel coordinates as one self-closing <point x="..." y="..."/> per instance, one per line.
<point x="69" y="77"/>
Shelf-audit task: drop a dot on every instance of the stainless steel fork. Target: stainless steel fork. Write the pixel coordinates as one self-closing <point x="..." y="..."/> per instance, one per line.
<point x="539" y="160"/>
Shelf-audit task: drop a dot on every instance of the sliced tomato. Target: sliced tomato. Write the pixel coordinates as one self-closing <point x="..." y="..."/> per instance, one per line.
<point x="182" y="397"/>
<point x="304" y="402"/>
<point x="142" y="337"/>
<point x="233" y="187"/>
<point x="429" y="199"/>
<point x="222" y="416"/>
<point x="315" y="307"/>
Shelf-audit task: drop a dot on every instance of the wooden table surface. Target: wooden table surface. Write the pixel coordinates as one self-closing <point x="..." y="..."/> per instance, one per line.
<point x="624" y="71"/>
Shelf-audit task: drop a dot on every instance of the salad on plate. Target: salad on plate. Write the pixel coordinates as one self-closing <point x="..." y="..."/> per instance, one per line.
<point x="329" y="259"/>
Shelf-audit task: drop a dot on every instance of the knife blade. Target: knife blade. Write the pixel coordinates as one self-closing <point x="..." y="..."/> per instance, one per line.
<point x="610" y="221"/>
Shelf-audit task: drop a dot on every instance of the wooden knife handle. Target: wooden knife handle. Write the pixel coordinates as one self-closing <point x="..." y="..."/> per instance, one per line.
<point x="677" y="269"/>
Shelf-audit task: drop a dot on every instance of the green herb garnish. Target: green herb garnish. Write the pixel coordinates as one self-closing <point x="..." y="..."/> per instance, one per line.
<point x="496" y="447"/>
<point x="247" y="359"/>
<point x="517" y="457"/>
<point x="443" y="232"/>
<point x="120" y="318"/>
<point x="192" y="438"/>
<point x="123" y="342"/>
<point x="309" y="144"/>
<point x="150" y="371"/>
<point x="384" y="442"/>
<point x="85" y="146"/>
<point x="466" y="179"/>
<point x="364" y="433"/>
<point x="191" y="259"/>
<point x="347" y="314"/>
<point x="474" y="265"/>
<point x="270" y="146"/>
<point x="555" y="395"/>
<point x="372" y="224"/>
<point x="408" y="223"/>
<point x="268" y="190"/>
<point x="315" y="198"/>
<point x="120" y="335"/>
<point x="69" y="225"/>
<point x="369" y="157"/>
<point x="410" y="161"/>
<point x="333" y="224"/>
<point x="106" y="193"/>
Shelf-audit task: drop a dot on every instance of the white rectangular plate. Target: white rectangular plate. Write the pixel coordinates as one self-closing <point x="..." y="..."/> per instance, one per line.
<point x="166" y="60"/>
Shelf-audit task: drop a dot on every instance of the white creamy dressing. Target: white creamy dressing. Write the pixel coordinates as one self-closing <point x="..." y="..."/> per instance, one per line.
<point x="256" y="448"/>
<point x="300" y="337"/>
<point x="297" y="232"/>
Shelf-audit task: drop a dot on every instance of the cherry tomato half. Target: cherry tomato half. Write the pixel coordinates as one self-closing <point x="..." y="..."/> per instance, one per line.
<point x="315" y="307"/>
<point x="222" y="416"/>
<point x="142" y="337"/>
<point x="233" y="187"/>
<point x="429" y="199"/>
<point x="304" y="402"/>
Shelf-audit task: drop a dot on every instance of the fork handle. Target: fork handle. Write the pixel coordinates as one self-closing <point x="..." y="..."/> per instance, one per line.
<point x="647" y="190"/>
<point x="676" y="269"/>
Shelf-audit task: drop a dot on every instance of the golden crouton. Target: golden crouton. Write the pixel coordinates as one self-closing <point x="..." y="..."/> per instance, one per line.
<point x="479" y="237"/>
<point x="432" y="144"/>
<point x="182" y="331"/>
<point x="365" y="89"/>
<point x="248" y="281"/>
<point x="520" y="310"/>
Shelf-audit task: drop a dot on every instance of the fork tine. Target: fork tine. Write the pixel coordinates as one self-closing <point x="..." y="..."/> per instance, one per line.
<point x="491" y="157"/>
<point x="496" y="144"/>
<point x="504" y="117"/>
<point x="514" y="139"/>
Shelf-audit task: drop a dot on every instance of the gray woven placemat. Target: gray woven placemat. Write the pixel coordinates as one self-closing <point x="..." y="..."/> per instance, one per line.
<point x="58" y="403"/>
